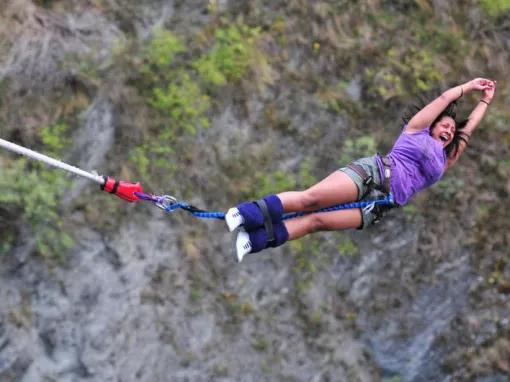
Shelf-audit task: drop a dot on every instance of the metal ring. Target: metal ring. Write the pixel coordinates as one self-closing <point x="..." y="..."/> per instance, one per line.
<point x="166" y="201"/>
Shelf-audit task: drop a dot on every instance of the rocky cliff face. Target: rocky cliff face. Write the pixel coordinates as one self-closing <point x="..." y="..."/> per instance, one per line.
<point x="146" y="296"/>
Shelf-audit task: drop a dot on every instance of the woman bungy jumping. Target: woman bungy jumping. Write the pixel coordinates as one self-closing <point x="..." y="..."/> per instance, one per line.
<point x="430" y="143"/>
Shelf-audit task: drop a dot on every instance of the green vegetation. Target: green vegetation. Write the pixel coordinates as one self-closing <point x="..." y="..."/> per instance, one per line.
<point x="35" y="197"/>
<point x="410" y="209"/>
<point x="306" y="177"/>
<point x="196" y="294"/>
<point x="178" y="88"/>
<point x="54" y="138"/>
<point x="233" y="53"/>
<point x="355" y="148"/>
<point x="260" y="344"/>
<point x="346" y="247"/>
<point x="495" y="8"/>
<point x="413" y="70"/>
<point x="161" y="52"/>
<point x="392" y="379"/>
<point x="347" y="67"/>
<point x="305" y="253"/>
<point x="183" y="104"/>
<point x="235" y="308"/>
<point x="220" y="370"/>
<point x="448" y="187"/>
<point x="407" y="64"/>
<point x="337" y="100"/>
<point x="265" y="184"/>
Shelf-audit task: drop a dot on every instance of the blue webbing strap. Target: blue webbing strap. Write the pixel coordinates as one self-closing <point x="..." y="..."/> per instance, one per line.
<point x="170" y="204"/>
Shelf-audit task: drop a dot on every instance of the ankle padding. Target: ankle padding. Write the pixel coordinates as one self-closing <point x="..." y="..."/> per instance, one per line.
<point x="274" y="207"/>
<point x="281" y="235"/>
<point x="253" y="215"/>
<point x="259" y="238"/>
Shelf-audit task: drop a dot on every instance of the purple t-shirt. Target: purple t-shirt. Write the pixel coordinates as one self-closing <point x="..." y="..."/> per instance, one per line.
<point x="417" y="162"/>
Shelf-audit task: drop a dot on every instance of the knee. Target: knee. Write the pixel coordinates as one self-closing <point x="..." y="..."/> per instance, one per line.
<point x="310" y="199"/>
<point x="317" y="223"/>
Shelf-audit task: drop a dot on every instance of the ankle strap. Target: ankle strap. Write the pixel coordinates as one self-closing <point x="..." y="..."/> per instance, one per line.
<point x="268" y="222"/>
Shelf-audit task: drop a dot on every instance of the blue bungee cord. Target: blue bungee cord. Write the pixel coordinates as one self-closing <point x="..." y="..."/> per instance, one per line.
<point x="169" y="203"/>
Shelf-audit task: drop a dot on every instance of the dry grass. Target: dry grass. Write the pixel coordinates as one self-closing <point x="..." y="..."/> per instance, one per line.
<point x="43" y="45"/>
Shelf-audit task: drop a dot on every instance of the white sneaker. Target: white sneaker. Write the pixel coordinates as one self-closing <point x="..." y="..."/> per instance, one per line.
<point x="243" y="244"/>
<point x="233" y="218"/>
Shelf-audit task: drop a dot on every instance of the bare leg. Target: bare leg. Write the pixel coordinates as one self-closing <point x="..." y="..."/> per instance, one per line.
<point x="336" y="188"/>
<point x="323" y="221"/>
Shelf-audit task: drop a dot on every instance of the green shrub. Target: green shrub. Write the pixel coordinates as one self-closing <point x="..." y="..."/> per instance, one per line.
<point x="177" y="88"/>
<point x="306" y="177"/>
<point x="357" y="148"/>
<point x="346" y="247"/>
<point x="184" y="104"/>
<point x="261" y="344"/>
<point x="411" y="70"/>
<point x="448" y="187"/>
<point x="337" y="99"/>
<point x="265" y="184"/>
<point x="231" y="55"/>
<point x="54" y="138"/>
<point x="32" y="191"/>
<point x="392" y="379"/>
<point x="495" y="8"/>
<point x="410" y="210"/>
<point x="161" y="51"/>
<point x="384" y="82"/>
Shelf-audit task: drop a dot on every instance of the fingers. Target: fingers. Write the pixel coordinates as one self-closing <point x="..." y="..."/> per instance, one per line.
<point x="491" y="86"/>
<point x="488" y="93"/>
<point x="483" y="84"/>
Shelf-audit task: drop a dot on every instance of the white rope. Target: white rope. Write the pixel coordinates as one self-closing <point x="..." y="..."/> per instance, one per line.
<point x="52" y="162"/>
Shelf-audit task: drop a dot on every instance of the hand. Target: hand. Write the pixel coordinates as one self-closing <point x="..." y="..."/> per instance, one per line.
<point x="488" y="93"/>
<point x="481" y="84"/>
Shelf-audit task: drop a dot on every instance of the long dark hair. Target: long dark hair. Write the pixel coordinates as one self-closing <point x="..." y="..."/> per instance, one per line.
<point x="449" y="111"/>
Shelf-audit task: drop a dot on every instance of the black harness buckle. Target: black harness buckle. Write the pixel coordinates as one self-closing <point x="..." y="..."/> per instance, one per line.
<point x="368" y="180"/>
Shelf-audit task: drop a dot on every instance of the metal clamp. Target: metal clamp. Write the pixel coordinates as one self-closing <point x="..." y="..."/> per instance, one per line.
<point x="165" y="202"/>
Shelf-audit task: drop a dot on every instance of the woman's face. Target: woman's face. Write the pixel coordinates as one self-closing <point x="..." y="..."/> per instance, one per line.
<point x="444" y="130"/>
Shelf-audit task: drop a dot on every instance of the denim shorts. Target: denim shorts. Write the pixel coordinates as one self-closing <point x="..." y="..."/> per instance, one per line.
<point x="369" y="192"/>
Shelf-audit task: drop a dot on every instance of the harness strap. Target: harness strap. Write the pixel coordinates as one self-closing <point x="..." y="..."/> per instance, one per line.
<point x="268" y="223"/>
<point x="365" y="178"/>
<point x="368" y="179"/>
<point x="387" y="173"/>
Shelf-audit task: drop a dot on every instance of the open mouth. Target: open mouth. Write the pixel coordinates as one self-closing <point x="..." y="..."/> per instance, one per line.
<point x="444" y="137"/>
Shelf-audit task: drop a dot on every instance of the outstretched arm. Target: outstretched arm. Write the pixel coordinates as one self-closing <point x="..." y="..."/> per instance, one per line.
<point x="429" y="113"/>
<point x="474" y="119"/>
